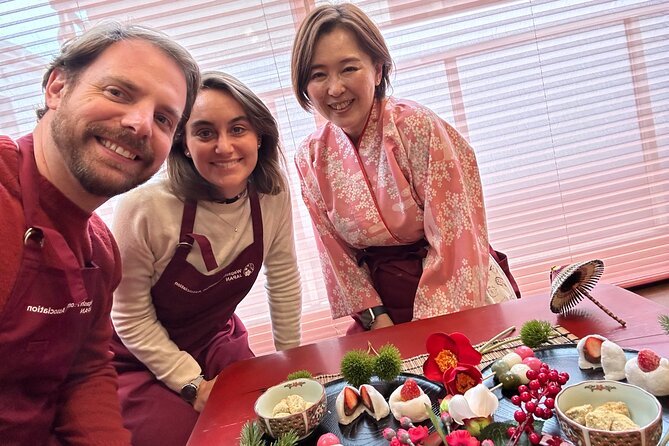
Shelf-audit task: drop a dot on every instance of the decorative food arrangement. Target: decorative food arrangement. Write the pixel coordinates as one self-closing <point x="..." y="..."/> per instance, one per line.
<point x="466" y="413"/>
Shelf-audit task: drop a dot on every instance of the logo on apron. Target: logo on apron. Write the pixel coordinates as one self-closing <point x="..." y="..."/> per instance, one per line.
<point x="248" y="269"/>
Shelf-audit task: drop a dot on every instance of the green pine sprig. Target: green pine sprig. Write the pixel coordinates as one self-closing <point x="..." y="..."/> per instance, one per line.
<point x="251" y="435"/>
<point x="664" y="322"/>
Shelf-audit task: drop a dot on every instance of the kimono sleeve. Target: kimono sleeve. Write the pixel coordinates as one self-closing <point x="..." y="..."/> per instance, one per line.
<point x="349" y="286"/>
<point x="455" y="270"/>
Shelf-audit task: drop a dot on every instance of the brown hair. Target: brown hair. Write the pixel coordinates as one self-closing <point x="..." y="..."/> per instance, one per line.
<point x="267" y="177"/>
<point x="79" y="53"/>
<point x="325" y="19"/>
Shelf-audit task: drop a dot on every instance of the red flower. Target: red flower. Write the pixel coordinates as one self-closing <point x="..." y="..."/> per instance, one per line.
<point x="418" y="434"/>
<point x="461" y="438"/>
<point x="458" y="380"/>
<point x="448" y="351"/>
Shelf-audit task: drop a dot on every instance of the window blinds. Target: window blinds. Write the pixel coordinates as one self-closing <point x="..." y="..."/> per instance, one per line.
<point x="566" y="103"/>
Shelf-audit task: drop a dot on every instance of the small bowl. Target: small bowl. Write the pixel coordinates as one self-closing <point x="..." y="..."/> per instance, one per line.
<point x="645" y="410"/>
<point x="303" y="423"/>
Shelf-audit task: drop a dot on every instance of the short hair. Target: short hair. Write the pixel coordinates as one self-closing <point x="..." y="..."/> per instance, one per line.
<point x="80" y="52"/>
<point x="267" y="177"/>
<point x="323" y="20"/>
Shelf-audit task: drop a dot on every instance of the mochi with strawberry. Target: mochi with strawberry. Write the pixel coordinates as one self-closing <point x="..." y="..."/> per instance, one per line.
<point x="409" y="400"/>
<point x="649" y="371"/>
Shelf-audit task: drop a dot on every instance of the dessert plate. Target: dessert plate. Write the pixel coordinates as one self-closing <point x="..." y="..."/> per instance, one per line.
<point x="564" y="358"/>
<point x="365" y="430"/>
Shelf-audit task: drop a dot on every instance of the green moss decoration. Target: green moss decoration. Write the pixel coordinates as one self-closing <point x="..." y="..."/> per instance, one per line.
<point x="388" y="363"/>
<point x="534" y="333"/>
<point x="357" y="367"/>
<point x="299" y="374"/>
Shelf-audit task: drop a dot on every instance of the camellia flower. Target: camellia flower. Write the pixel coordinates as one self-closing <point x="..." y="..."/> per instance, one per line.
<point x="461" y="438"/>
<point x="461" y="378"/>
<point x="477" y="402"/>
<point x="448" y="351"/>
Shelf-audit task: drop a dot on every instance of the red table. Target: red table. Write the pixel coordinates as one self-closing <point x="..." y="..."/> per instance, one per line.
<point x="231" y="401"/>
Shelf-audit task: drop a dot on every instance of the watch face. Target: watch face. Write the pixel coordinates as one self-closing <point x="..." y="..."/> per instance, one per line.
<point x="189" y="392"/>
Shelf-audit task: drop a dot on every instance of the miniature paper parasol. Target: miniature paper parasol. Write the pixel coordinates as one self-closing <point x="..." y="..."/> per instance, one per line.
<point x="571" y="283"/>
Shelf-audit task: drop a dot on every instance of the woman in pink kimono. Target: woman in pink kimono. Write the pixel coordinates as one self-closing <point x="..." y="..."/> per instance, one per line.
<point x="192" y="246"/>
<point x="393" y="191"/>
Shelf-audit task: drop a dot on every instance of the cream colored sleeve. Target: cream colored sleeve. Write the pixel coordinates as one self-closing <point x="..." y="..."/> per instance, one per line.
<point x="284" y="289"/>
<point x="146" y="227"/>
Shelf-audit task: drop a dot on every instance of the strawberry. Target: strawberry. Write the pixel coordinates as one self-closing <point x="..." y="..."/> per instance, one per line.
<point x="592" y="350"/>
<point x="648" y="360"/>
<point x="366" y="399"/>
<point x="409" y="390"/>
<point x="351" y="400"/>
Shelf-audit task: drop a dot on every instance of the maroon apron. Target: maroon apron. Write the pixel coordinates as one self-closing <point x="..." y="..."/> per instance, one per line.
<point x="396" y="271"/>
<point x="44" y="323"/>
<point x="197" y="310"/>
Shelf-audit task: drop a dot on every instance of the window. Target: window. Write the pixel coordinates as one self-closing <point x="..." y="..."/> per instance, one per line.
<point x="566" y="103"/>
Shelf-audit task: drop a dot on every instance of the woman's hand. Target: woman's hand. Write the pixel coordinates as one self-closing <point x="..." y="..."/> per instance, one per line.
<point x="381" y="321"/>
<point x="203" y="392"/>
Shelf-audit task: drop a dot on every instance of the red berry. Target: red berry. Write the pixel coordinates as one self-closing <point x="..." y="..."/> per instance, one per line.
<point x="553" y="375"/>
<point x="534" y="384"/>
<point x="542" y="377"/>
<point x="522" y="388"/>
<point x="534" y="438"/>
<point x="510" y="431"/>
<point x="519" y="416"/>
<point x="550" y="403"/>
<point x="525" y="396"/>
<point x="553" y="389"/>
<point x="531" y="374"/>
<point x="648" y="360"/>
<point x="409" y="390"/>
<point x="539" y="412"/>
<point x="530" y="406"/>
<point x="548" y="413"/>
<point x="515" y="399"/>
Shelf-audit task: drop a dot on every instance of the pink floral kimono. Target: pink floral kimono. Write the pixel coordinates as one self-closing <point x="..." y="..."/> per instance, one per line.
<point x="412" y="177"/>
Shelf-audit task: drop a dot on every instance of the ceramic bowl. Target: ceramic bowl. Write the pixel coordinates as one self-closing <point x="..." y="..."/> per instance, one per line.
<point x="303" y="423"/>
<point x="645" y="410"/>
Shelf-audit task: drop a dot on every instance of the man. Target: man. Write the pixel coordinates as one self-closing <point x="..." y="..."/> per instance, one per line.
<point x="114" y="99"/>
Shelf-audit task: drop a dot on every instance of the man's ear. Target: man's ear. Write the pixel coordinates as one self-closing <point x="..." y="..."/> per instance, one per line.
<point x="55" y="88"/>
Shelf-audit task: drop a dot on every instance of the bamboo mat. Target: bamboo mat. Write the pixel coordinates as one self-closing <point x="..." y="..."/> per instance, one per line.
<point x="414" y="365"/>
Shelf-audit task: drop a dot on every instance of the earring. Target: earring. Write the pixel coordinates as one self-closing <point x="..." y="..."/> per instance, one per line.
<point x="259" y="143"/>
<point x="187" y="153"/>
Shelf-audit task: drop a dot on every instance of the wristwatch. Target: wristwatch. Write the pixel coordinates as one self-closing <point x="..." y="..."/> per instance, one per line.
<point x="368" y="316"/>
<point x="189" y="391"/>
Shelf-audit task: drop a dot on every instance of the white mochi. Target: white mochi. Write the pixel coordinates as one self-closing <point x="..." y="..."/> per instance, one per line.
<point x="339" y="405"/>
<point x="582" y="362"/>
<point x="414" y="409"/>
<point x="655" y="382"/>
<point x="613" y="361"/>
<point x="379" y="403"/>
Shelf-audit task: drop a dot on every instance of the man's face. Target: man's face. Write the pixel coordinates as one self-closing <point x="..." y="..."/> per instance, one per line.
<point x="114" y="125"/>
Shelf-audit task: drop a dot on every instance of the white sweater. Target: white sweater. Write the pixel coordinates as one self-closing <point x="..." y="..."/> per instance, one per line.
<point x="146" y="226"/>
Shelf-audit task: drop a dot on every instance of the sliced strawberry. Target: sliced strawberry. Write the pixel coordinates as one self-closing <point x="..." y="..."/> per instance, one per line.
<point x="409" y="390"/>
<point x="351" y="400"/>
<point x="648" y="360"/>
<point x="366" y="399"/>
<point x="592" y="350"/>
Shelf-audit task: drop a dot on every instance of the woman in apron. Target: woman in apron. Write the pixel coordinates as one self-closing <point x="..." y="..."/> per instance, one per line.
<point x="192" y="246"/>
<point x="393" y="191"/>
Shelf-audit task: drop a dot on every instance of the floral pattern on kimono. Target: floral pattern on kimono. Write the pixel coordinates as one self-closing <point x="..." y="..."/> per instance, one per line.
<point x="412" y="176"/>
